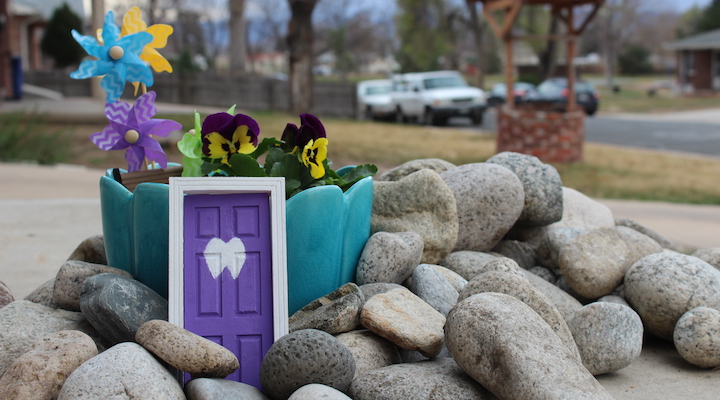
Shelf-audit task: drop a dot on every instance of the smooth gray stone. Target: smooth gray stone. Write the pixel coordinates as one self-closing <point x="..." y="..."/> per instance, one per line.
<point x="509" y="349"/>
<point x="611" y="298"/>
<point x="520" y="288"/>
<point x="316" y="391"/>
<point x="41" y="372"/>
<point x="523" y="253"/>
<point x="544" y="273"/>
<point x="69" y="280"/>
<point x="303" y="357"/>
<point x="420" y="202"/>
<point x="371" y="289"/>
<point x="565" y="303"/>
<point x="389" y="257"/>
<point x="6" y="296"/>
<point x="186" y="351"/>
<point x="369" y="350"/>
<point x="542" y="186"/>
<point x="221" y="389"/>
<point x="457" y="281"/>
<point x="403" y="170"/>
<point x="124" y="371"/>
<point x="659" y="239"/>
<point x="489" y="199"/>
<point x="334" y="313"/>
<point x="608" y="335"/>
<point x="467" y="263"/>
<point x="709" y="255"/>
<point x="91" y="250"/>
<point x="663" y="286"/>
<point x="436" y="379"/>
<point x="430" y="285"/>
<point x="406" y="320"/>
<point x="639" y="244"/>
<point x="23" y="322"/>
<point x="563" y="285"/>
<point x="595" y="262"/>
<point x="44" y="295"/>
<point x="697" y="337"/>
<point x="117" y="306"/>
<point x="551" y="243"/>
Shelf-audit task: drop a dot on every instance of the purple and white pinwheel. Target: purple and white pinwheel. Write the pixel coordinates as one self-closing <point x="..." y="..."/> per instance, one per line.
<point x="131" y="128"/>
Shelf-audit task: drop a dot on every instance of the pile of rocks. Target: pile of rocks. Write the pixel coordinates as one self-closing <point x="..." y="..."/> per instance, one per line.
<point x="482" y="281"/>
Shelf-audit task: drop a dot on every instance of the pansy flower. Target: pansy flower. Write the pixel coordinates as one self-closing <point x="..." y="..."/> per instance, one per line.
<point x="132" y="128"/>
<point x="312" y="142"/>
<point x="224" y="135"/>
<point x="118" y="58"/>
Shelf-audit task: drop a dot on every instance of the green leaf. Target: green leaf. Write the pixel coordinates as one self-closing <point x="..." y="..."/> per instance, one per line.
<point x="273" y="156"/>
<point x="231" y="110"/>
<point x="192" y="166"/>
<point x="289" y="167"/>
<point x="208" y="167"/>
<point x="245" y="165"/>
<point x="198" y="124"/>
<point x="356" y="174"/>
<point x="190" y="145"/>
<point x="291" y="185"/>
<point x="263" y="147"/>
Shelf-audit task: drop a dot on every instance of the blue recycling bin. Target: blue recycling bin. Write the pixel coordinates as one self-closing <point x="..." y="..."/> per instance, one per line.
<point x="17" y="77"/>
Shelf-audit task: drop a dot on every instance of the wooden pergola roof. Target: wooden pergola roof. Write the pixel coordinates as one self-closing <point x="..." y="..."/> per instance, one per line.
<point x="562" y="9"/>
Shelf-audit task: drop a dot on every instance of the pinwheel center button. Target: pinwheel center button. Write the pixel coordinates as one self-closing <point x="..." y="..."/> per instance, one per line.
<point x="132" y="136"/>
<point x="116" y="52"/>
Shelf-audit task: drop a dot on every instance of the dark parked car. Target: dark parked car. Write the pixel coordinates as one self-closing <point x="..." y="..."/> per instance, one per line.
<point x="523" y="92"/>
<point x="555" y="91"/>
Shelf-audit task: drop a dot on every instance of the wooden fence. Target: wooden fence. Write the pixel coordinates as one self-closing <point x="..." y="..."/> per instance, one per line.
<point x="252" y="93"/>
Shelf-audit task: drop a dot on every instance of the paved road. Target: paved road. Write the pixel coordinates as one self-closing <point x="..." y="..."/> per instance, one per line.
<point x="693" y="131"/>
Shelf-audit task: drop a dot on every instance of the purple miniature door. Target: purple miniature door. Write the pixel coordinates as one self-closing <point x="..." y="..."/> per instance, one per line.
<point x="228" y="289"/>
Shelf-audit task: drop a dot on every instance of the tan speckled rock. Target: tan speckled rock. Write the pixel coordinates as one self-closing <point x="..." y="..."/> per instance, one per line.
<point x="406" y="320"/>
<point x="70" y="278"/>
<point x="41" y="372"/>
<point x="6" y="296"/>
<point x="185" y="350"/>
<point x="369" y="350"/>
<point x="697" y="337"/>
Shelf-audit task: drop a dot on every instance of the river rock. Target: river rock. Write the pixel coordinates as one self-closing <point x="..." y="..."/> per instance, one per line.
<point x="105" y="301"/>
<point x="611" y="298"/>
<point x="420" y="202"/>
<point x="435" y="164"/>
<point x="455" y="280"/>
<point x="334" y="313"/>
<point x="710" y="255"/>
<point x="23" y="322"/>
<point x="663" y="286"/>
<point x="549" y="247"/>
<point x="608" y="335"/>
<point x="595" y="263"/>
<point x="91" y="250"/>
<point x="316" y="391"/>
<point x="659" y="239"/>
<point x="303" y="357"/>
<point x="542" y="186"/>
<point x="697" y="337"/>
<point x="467" y="263"/>
<point x="564" y="302"/>
<point x="509" y="349"/>
<point x="221" y="389"/>
<point x="44" y="294"/>
<point x="489" y="199"/>
<point x="6" y="296"/>
<point x="369" y="350"/>
<point x="185" y="350"/>
<point x="124" y="371"/>
<point x="430" y="285"/>
<point x="371" y="289"/>
<point x="406" y="320"/>
<point x="436" y="379"/>
<point x="520" y="288"/>
<point x="69" y="280"/>
<point x="523" y="253"/>
<point x="41" y="372"/>
<point x="389" y="257"/>
<point x="544" y="273"/>
<point x="639" y="244"/>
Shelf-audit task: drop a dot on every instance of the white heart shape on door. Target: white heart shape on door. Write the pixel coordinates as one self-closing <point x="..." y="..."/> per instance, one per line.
<point x="220" y="255"/>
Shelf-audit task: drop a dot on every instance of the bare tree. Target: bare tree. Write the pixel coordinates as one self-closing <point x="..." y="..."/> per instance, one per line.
<point x="616" y="22"/>
<point x="300" y="46"/>
<point x="236" y="26"/>
<point x="477" y="33"/>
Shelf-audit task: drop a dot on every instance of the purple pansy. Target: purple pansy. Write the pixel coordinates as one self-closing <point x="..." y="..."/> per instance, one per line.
<point x="131" y="128"/>
<point x="224" y="135"/>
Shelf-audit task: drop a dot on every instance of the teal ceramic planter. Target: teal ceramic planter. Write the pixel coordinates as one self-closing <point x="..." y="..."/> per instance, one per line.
<point x="326" y="232"/>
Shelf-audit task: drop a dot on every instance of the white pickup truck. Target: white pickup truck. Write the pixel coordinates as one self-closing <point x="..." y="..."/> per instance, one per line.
<point x="433" y="97"/>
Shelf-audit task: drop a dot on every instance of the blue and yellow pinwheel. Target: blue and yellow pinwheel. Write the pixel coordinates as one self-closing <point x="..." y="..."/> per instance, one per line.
<point x="118" y="58"/>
